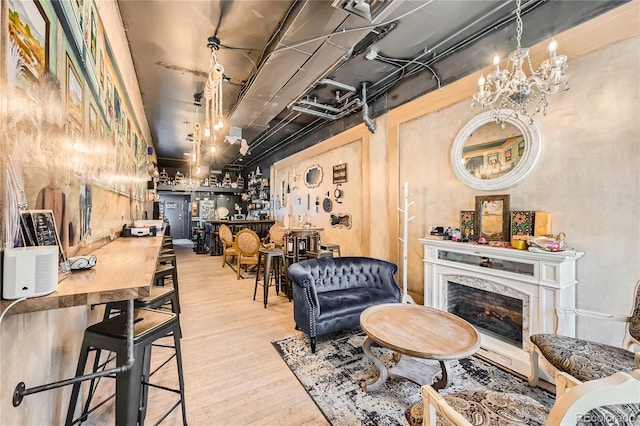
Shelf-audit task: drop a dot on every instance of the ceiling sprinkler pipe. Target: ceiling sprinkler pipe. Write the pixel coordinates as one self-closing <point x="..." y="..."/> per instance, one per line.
<point x="318" y="105"/>
<point x="314" y="112"/>
<point x="371" y="125"/>
<point x="337" y="84"/>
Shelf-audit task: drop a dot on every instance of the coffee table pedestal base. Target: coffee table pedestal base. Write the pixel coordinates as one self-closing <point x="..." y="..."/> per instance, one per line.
<point x="407" y="367"/>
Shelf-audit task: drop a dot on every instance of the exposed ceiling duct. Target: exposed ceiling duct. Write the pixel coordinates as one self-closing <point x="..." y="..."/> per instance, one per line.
<point x="292" y="67"/>
<point x="367" y="9"/>
<point x="296" y="67"/>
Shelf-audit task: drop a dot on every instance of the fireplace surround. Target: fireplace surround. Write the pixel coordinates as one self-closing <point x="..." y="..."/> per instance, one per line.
<point x="507" y="294"/>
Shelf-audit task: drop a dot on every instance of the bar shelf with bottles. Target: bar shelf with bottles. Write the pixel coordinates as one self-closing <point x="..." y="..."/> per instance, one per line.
<point x="257" y="195"/>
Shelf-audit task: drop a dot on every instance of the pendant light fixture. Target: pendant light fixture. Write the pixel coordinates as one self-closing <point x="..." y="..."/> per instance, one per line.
<point x="513" y="88"/>
<point x="213" y="91"/>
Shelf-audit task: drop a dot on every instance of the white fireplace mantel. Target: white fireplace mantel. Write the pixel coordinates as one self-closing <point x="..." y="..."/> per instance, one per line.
<point x="543" y="281"/>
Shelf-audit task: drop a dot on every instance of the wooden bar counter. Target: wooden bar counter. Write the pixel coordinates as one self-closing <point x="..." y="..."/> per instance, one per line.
<point x="124" y="270"/>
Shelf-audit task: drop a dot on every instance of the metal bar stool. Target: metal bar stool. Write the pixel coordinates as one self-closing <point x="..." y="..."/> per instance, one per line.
<point x="131" y="385"/>
<point x="267" y="256"/>
<point x="158" y="298"/>
<point x="166" y="274"/>
<point x="165" y="258"/>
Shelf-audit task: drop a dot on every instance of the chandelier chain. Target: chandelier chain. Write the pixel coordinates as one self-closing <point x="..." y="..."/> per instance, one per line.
<point x="518" y="23"/>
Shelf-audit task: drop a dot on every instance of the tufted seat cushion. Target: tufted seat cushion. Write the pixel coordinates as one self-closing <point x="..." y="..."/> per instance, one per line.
<point x="340" y="303"/>
<point x="482" y="407"/>
<point x="583" y="359"/>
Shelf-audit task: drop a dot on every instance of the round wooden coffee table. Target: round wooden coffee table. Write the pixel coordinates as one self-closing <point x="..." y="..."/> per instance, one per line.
<point x="416" y="331"/>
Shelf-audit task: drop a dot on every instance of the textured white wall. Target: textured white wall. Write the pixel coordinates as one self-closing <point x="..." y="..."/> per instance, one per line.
<point x="587" y="176"/>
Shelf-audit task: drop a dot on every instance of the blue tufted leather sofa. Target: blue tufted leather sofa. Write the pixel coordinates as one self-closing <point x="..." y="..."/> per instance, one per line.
<point x="329" y="294"/>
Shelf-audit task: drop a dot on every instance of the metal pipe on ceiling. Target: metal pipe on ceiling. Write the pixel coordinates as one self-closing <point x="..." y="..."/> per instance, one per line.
<point x="337" y="84"/>
<point x="313" y="112"/>
<point x="318" y="105"/>
<point x="371" y="125"/>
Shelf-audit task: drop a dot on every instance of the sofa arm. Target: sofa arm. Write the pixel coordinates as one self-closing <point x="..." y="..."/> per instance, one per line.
<point x="301" y="277"/>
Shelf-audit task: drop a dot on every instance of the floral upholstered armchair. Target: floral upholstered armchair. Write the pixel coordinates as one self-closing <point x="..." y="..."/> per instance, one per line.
<point x="616" y="396"/>
<point x="583" y="359"/>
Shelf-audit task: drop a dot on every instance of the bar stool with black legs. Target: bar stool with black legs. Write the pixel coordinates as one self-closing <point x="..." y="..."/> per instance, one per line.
<point x="273" y="260"/>
<point x="131" y="385"/>
<point x="165" y="258"/>
<point x="167" y="274"/>
<point x="158" y="298"/>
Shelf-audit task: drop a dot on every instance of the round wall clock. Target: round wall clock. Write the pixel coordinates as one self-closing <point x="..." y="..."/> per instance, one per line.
<point x="327" y="204"/>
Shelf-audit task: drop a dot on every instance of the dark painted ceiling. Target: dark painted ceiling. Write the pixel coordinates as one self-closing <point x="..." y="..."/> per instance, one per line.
<point x="296" y="68"/>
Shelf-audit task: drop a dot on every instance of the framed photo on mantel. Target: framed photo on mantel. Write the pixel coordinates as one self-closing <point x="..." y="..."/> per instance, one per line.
<point x="492" y="217"/>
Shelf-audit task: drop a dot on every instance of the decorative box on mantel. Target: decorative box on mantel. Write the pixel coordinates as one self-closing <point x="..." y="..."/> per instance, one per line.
<point x="507" y="294"/>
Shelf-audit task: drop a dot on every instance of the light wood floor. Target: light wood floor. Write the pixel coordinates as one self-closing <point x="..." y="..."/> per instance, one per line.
<point x="233" y="375"/>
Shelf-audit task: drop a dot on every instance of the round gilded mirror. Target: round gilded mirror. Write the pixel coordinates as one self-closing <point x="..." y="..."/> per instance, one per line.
<point x="491" y="155"/>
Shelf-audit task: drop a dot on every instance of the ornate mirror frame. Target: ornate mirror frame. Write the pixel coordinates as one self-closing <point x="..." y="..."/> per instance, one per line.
<point x="532" y="138"/>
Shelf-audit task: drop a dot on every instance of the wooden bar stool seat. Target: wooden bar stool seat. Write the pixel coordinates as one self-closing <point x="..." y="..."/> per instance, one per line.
<point x="158" y="298"/>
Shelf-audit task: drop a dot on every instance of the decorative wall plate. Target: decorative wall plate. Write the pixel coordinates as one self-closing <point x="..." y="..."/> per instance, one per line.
<point x="327" y="205"/>
<point x="341" y="220"/>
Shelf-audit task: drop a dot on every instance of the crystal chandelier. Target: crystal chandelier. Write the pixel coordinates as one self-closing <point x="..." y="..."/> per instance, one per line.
<point x="512" y="88"/>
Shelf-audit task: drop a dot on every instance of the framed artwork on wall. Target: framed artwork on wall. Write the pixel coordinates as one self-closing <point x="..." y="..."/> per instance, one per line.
<point x="493" y="158"/>
<point x="117" y="112"/>
<point x="93" y="37"/>
<point x="29" y="33"/>
<point x="74" y="93"/>
<point x="93" y="121"/>
<point x="109" y="100"/>
<point x="128" y="132"/>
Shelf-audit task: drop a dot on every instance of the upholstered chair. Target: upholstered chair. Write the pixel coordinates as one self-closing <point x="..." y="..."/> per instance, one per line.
<point x="228" y="247"/>
<point x="247" y="245"/>
<point x="616" y="396"/>
<point x="583" y="359"/>
<point x="275" y="237"/>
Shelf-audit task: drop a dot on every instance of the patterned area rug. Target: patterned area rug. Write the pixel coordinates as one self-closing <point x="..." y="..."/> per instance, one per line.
<point x="332" y="377"/>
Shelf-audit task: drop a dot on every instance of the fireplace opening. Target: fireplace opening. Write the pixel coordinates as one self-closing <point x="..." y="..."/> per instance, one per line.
<point x="496" y="315"/>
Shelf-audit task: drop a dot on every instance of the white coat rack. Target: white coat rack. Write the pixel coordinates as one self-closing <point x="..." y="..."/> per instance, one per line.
<point x="406" y="298"/>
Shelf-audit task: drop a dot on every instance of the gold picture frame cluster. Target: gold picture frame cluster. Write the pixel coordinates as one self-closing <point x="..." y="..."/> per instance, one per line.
<point x="493" y="221"/>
